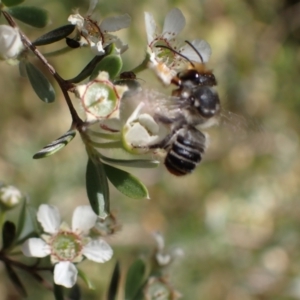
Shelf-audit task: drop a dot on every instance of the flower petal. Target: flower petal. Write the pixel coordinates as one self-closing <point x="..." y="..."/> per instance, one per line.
<point x="203" y="48"/>
<point x="174" y="23"/>
<point x="83" y="219"/>
<point x="150" y="27"/>
<point x="98" y="251"/>
<point x="77" y="20"/>
<point x="49" y="218"/>
<point x="65" y="273"/>
<point x="115" y="23"/>
<point x="159" y="240"/>
<point x="163" y="259"/>
<point x="97" y="48"/>
<point x="35" y="247"/>
<point x="92" y="6"/>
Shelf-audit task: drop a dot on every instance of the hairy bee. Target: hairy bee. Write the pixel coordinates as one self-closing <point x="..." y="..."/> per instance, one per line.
<point x="197" y="104"/>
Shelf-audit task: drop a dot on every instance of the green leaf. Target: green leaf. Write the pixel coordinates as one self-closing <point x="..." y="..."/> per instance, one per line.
<point x="31" y="15"/>
<point x="133" y="163"/>
<point x="27" y="223"/>
<point x="15" y="280"/>
<point x="112" y="64"/>
<point x="54" y="35"/>
<point x="56" y="145"/>
<point x="135" y="279"/>
<point x="11" y="2"/>
<point x="126" y="183"/>
<point x="75" y="292"/>
<point x="58" y="292"/>
<point x="8" y="234"/>
<point x="114" y="283"/>
<point x="84" y="277"/>
<point x="40" y="83"/>
<point x="87" y="70"/>
<point x="97" y="187"/>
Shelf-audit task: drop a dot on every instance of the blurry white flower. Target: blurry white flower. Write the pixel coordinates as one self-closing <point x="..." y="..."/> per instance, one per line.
<point x="164" y="61"/>
<point x="10" y="42"/>
<point x="163" y="257"/>
<point x="97" y="35"/>
<point x="159" y="288"/>
<point x="66" y="245"/>
<point x="158" y="285"/>
<point x="10" y="196"/>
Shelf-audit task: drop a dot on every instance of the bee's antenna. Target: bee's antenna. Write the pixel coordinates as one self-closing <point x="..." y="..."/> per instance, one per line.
<point x="176" y="52"/>
<point x="191" y="45"/>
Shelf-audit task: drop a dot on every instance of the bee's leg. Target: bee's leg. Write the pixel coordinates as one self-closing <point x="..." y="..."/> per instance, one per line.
<point x="163" y="119"/>
<point x="169" y="121"/>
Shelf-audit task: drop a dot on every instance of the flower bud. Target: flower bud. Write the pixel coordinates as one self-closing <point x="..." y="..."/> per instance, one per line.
<point x="10" y="196"/>
<point x="10" y="42"/>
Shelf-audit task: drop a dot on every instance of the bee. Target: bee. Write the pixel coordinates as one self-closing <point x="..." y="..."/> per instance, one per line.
<point x="195" y="105"/>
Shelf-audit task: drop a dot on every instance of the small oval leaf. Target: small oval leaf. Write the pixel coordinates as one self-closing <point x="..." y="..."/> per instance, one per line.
<point x="15" y="280"/>
<point x="56" y="145"/>
<point x="8" y="234"/>
<point x="11" y="2"/>
<point x="87" y="70"/>
<point x="75" y="293"/>
<point x="58" y="292"/>
<point x="97" y="187"/>
<point x="134" y="279"/>
<point x="126" y="183"/>
<point x="27" y="224"/>
<point x="114" y="283"/>
<point x="132" y="163"/>
<point x="31" y="15"/>
<point x="112" y="64"/>
<point x="40" y="83"/>
<point x="54" y="35"/>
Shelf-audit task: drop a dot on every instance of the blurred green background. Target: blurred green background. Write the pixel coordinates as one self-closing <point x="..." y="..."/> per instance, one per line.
<point x="237" y="217"/>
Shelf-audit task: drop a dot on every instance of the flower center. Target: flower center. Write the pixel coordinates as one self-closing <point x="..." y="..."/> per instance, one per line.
<point x="66" y="246"/>
<point x="93" y="31"/>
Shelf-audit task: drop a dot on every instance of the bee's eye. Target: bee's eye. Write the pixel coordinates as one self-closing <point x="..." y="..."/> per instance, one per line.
<point x="206" y="101"/>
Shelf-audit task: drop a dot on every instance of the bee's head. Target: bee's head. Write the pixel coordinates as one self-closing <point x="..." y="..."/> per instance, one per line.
<point x="193" y="78"/>
<point x="205" y="100"/>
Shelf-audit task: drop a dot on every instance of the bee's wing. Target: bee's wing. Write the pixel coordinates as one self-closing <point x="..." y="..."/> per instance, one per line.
<point x="157" y="103"/>
<point x="236" y="121"/>
<point x="239" y="125"/>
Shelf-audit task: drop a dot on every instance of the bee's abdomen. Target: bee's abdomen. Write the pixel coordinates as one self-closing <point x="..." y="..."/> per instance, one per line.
<point x="186" y="152"/>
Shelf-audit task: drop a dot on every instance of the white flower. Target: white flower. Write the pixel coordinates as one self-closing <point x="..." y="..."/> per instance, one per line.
<point x="165" y="61"/>
<point x="97" y="35"/>
<point x="66" y="245"/>
<point x="10" y="42"/>
<point x="10" y="196"/>
<point x="140" y="131"/>
<point x="100" y="98"/>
